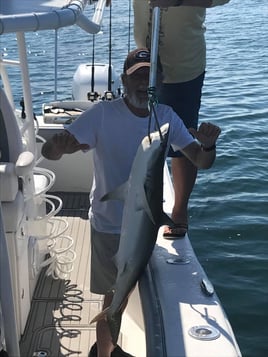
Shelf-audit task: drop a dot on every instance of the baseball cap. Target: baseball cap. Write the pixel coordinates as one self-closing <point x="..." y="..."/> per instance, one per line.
<point x="140" y="57"/>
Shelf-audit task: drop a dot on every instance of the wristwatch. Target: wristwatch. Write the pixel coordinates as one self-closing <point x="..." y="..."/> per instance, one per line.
<point x="207" y="149"/>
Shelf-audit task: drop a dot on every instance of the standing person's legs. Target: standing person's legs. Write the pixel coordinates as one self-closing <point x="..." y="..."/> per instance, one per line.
<point x="103" y="274"/>
<point x="185" y="99"/>
<point x="104" y="246"/>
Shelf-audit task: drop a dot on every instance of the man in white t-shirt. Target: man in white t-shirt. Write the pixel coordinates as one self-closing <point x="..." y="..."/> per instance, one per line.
<point x="115" y="129"/>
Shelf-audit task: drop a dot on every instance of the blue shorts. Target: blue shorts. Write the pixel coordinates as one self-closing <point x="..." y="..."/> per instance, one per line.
<point x="185" y="99"/>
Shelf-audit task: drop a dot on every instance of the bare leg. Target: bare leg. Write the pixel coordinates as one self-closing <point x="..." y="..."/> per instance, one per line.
<point x="104" y="339"/>
<point x="184" y="175"/>
<point x="185" y="99"/>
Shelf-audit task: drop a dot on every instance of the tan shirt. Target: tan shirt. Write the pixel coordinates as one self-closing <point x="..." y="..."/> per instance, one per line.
<point x="182" y="45"/>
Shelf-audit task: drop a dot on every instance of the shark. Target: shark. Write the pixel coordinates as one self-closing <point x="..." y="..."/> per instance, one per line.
<point x="142" y="217"/>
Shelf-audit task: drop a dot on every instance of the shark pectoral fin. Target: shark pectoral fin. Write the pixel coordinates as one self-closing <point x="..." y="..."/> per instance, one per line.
<point x="142" y="203"/>
<point x="119" y="193"/>
<point x="101" y="316"/>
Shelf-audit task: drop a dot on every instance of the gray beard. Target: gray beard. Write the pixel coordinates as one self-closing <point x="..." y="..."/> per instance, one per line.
<point x="137" y="103"/>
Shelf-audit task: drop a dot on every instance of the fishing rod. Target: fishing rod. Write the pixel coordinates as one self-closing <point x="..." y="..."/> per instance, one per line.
<point x="152" y="96"/>
<point x="109" y="94"/>
<point x="92" y="95"/>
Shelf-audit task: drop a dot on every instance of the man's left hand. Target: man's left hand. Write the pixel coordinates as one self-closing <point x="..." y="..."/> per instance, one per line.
<point x="207" y="134"/>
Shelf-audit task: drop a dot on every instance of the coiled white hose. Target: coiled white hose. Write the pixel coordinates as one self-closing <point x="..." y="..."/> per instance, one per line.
<point x="59" y="246"/>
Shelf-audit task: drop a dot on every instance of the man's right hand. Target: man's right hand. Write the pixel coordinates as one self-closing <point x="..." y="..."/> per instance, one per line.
<point x="59" y="144"/>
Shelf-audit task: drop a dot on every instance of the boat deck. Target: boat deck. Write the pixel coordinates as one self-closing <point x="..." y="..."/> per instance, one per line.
<point x="173" y="299"/>
<point x="61" y="310"/>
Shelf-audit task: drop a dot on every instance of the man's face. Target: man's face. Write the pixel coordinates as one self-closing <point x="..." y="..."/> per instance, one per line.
<point x="136" y="85"/>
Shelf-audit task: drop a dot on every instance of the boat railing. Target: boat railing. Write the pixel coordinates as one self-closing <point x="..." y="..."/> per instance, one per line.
<point x="27" y="124"/>
<point x="59" y="17"/>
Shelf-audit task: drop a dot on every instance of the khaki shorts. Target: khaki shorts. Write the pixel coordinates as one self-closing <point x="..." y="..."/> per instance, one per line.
<point x="103" y="269"/>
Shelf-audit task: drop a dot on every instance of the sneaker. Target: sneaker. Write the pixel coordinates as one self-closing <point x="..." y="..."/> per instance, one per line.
<point x="3" y="353"/>
<point x="117" y="352"/>
<point x="93" y="351"/>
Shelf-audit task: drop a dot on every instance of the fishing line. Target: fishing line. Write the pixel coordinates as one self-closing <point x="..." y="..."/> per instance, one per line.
<point x="110" y="51"/>
<point x="93" y="65"/>
<point x="153" y="111"/>
<point x="56" y="65"/>
<point x="109" y="95"/>
<point x="92" y="95"/>
<point x="129" y="23"/>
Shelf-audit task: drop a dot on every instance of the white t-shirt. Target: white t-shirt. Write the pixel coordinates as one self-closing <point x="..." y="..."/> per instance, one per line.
<point x="115" y="133"/>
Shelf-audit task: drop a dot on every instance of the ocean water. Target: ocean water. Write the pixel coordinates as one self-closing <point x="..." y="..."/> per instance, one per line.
<point x="229" y="204"/>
